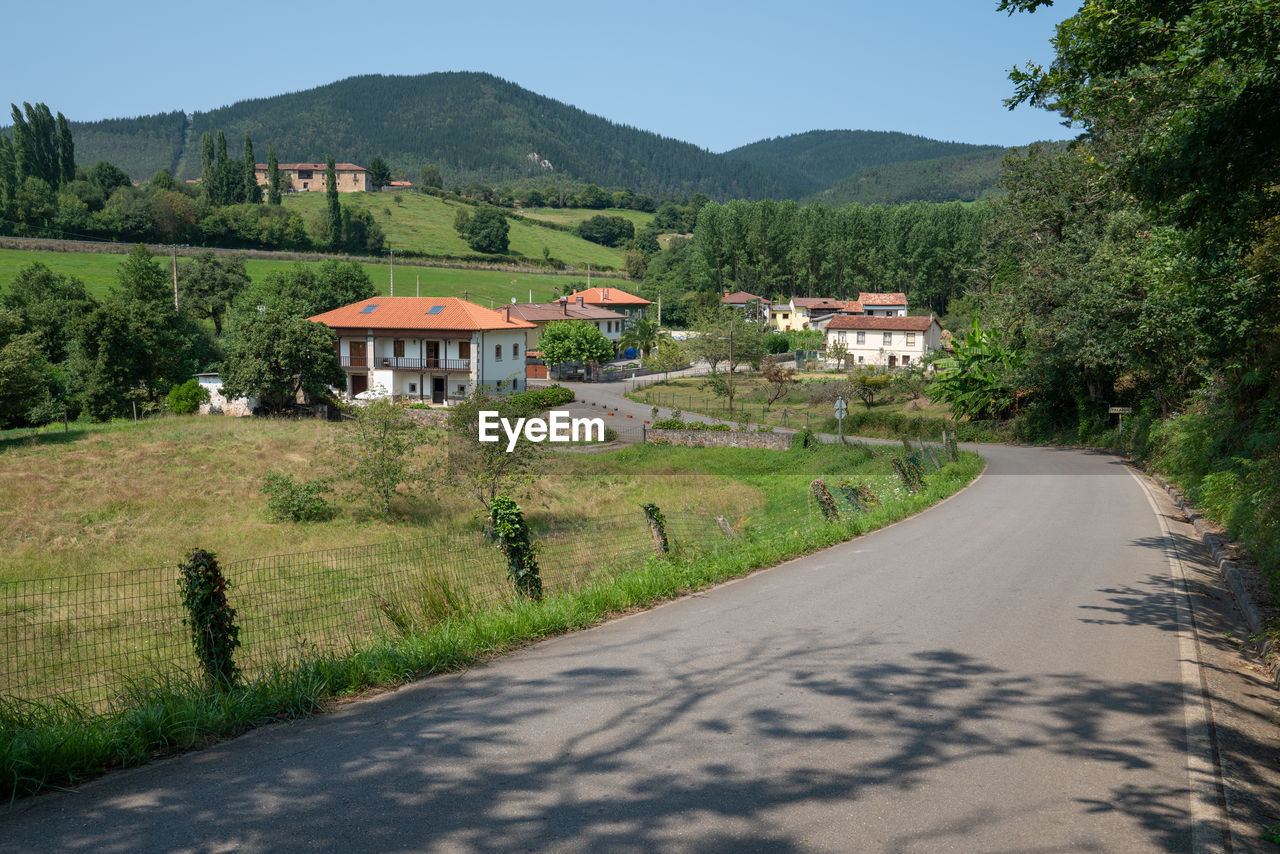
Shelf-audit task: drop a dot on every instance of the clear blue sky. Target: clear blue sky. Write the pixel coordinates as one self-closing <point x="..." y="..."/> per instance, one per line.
<point x="718" y="74"/>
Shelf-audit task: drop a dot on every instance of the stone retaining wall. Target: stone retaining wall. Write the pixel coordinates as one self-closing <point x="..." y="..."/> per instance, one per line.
<point x="721" y="439"/>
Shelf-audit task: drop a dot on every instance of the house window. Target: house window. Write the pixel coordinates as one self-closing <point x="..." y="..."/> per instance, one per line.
<point x="464" y="349"/>
<point x="497" y="352"/>
<point x="397" y="348"/>
<point x="840" y="335"/>
<point x="906" y="360"/>
<point x="304" y="174"/>
<point x="786" y="316"/>
<point x="413" y="388"/>
<point x="911" y="339"/>
<point x="862" y="339"/>
<point x="515" y="351"/>
<point x="888" y="338"/>
<point x="859" y="360"/>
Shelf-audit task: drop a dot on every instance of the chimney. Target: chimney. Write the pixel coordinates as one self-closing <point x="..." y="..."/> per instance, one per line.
<point x="564" y="306"/>
<point x="579" y="301"/>
<point x="506" y="314"/>
<point x="726" y="293"/>
<point x="604" y="293"/>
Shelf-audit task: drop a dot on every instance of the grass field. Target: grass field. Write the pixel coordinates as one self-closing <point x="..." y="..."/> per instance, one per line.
<point x="98" y="272"/>
<point x="795" y="409"/>
<point x="573" y="216"/>
<point x="424" y="223"/>
<point x="99" y="516"/>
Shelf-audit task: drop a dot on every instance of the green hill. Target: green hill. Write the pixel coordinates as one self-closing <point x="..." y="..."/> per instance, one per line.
<point x="958" y="178"/>
<point x="814" y="161"/>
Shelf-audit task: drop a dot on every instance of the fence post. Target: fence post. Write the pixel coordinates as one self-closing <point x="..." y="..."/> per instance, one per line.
<point x="657" y="527"/>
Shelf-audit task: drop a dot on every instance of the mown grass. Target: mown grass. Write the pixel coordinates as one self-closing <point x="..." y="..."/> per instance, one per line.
<point x="46" y="745"/>
<point x="574" y="216"/>
<point x="99" y="273"/>
<point x="424" y="223"/>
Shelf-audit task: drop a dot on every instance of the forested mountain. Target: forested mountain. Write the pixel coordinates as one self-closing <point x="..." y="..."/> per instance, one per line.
<point x="469" y="125"/>
<point x="812" y="162"/>
<point x="474" y="126"/>
<point x="958" y="178"/>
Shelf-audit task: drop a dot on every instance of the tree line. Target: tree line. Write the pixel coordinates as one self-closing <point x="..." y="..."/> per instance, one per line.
<point x="44" y="193"/>
<point x="63" y="351"/>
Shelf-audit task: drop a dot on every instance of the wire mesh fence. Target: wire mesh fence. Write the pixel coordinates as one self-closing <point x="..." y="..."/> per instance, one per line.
<point x="87" y="637"/>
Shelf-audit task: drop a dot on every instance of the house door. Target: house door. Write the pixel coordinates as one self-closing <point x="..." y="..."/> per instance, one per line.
<point x="893" y="361"/>
<point x="359" y="383"/>
<point x="359" y="356"/>
<point x="437" y="389"/>
<point x="433" y="354"/>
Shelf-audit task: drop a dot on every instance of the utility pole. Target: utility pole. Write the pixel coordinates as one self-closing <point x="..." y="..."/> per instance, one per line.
<point x="393" y="270"/>
<point x="175" y="277"/>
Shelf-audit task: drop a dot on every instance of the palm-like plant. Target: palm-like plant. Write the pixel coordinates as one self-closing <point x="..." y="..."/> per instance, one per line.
<point x="644" y="335"/>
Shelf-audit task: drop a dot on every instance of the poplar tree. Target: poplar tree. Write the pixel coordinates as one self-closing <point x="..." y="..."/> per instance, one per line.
<point x="273" y="177"/>
<point x="207" y="162"/>
<point x="333" y="206"/>
<point x="252" y="192"/>
<point x="66" y="152"/>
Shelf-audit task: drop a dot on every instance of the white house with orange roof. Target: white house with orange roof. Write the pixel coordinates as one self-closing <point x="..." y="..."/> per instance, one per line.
<point x="614" y="299"/>
<point x="753" y="308"/>
<point x="435" y="349"/>
<point x="892" y="341"/>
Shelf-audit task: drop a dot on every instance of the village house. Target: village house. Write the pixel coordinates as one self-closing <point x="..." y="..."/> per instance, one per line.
<point x="542" y="313"/>
<point x="614" y="299"/>
<point x="884" y="341"/>
<point x="754" y="308"/>
<point x="310" y="177"/>
<point x="883" y="305"/>
<point x="435" y="349"/>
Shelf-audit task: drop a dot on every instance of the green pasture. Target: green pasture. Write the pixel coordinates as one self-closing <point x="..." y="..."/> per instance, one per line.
<point x="98" y="272"/>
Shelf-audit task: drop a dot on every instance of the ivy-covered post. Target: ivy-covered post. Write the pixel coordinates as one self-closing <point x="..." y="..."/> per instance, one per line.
<point x="937" y="466"/>
<point x="214" y="633"/>
<point x="953" y="451"/>
<point x="513" y="537"/>
<point x="900" y="469"/>
<point x="851" y="494"/>
<point x="657" y="527"/>
<point x="822" y="495"/>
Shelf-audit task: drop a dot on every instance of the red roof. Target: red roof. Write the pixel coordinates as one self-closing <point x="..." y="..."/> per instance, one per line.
<point x="608" y="297"/>
<point x="864" y="321"/>
<point x="849" y="306"/>
<point x="544" y="312"/>
<point x="421" y="313"/>
<point x="816" y="302"/>
<point x="882" y="299"/>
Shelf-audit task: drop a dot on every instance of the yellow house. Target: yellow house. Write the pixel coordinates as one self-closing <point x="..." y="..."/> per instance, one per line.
<point x="310" y="177"/>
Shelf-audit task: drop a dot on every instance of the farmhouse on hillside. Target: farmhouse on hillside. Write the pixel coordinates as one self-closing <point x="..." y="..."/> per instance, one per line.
<point x="884" y="341"/>
<point x="310" y="178"/>
<point x="435" y="349"/>
<point x="614" y="299"/>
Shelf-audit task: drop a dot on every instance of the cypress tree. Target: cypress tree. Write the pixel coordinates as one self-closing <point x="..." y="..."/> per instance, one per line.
<point x="333" y="206"/>
<point x="273" y="177"/>
<point x="252" y="192"/>
<point x="8" y="174"/>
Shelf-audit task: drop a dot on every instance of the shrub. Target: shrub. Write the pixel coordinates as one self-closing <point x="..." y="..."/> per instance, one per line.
<point x="677" y="424"/>
<point x="512" y="532"/>
<point x="805" y="438"/>
<point x="185" y="399"/>
<point x="291" y="501"/>
<point x="538" y="399"/>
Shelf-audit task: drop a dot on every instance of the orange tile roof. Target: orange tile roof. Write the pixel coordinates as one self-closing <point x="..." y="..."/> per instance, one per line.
<point x="849" y="306"/>
<point x="864" y="321"/>
<point x="882" y="299"/>
<point x="816" y="302"/>
<point x="315" y="167"/>
<point x="544" y="312"/>
<point x="608" y="296"/>
<point x="417" y="313"/>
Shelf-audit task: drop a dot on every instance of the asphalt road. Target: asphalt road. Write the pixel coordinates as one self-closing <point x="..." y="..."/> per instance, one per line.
<point x="1009" y="671"/>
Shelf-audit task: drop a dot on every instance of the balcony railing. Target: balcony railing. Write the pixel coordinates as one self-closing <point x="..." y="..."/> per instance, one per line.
<point x="402" y="363"/>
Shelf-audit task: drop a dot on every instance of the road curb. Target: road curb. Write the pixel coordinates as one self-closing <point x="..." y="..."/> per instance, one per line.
<point x="1233" y="574"/>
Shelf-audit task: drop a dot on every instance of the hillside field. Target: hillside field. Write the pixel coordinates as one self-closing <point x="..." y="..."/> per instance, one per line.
<point x="424" y="223"/>
<point x="98" y="272"/>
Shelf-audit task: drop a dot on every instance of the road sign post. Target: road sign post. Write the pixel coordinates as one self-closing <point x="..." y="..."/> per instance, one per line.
<point x="841" y="409"/>
<point x="1122" y="411"/>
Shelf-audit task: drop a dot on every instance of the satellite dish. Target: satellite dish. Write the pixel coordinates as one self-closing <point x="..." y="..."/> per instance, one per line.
<point x="513" y="300"/>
